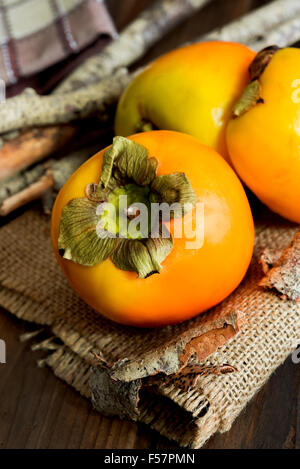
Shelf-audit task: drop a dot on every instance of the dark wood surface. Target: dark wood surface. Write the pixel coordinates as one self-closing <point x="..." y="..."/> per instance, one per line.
<point x="37" y="410"/>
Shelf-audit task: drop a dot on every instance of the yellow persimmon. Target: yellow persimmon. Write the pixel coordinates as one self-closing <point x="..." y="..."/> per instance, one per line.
<point x="263" y="136"/>
<point x="191" y="279"/>
<point x="191" y="90"/>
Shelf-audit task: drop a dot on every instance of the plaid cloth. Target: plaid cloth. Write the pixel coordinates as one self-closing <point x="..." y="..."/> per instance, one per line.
<point x="35" y="34"/>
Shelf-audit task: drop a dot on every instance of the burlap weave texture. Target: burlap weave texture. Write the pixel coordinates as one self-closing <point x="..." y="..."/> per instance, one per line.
<point x="33" y="288"/>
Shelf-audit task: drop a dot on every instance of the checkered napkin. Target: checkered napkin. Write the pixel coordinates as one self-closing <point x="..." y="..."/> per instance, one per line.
<point x="35" y="34"/>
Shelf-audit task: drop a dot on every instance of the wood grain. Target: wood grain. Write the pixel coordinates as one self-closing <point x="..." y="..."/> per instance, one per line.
<point x="39" y="411"/>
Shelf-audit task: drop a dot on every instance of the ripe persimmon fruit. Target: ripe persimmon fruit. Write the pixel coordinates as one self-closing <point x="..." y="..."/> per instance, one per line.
<point x="142" y="281"/>
<point x="263" y="135"/>
<point x="191" y="89"/>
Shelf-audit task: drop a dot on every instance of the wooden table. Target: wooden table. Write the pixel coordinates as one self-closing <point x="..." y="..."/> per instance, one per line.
<point x="37" y="410"/>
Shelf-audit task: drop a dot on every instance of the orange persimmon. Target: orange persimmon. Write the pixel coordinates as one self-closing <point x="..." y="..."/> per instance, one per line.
<point x="190" y="279"/>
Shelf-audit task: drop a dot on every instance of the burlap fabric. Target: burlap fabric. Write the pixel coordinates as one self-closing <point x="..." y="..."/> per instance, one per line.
<point x="33" y="288"/>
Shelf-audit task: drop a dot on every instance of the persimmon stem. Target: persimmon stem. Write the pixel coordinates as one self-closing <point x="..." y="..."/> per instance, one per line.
<point x="145" y="125"/>
<point x="261" y="61"/>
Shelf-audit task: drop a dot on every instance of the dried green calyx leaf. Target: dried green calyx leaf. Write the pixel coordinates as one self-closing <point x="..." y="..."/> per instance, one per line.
<point x="130" y="162"/>
<point x="250" y="97"/>
<point x="159" y="247"/>
<point x="116" y="220"/>
<point x="252" y="94"/>
<point x="81" y="237"/>
<point x="143" y="256"/>
<point x="175" y="190"/>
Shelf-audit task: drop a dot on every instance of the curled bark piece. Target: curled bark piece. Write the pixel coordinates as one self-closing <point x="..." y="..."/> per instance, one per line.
<point x="285" y="275"/>
<point x="112" y="397"/>
<point x="26" y="111"/>
<point x="269" y="257"/>
<point x="117" y="397"/>
<point x="30" y="185"/>
<point x="31" y="147"/>
<point x="258" y="24"/>
<point x="150" y="26"/>
<point x="182" y="355"/>
<point x="191" y="349"/>
<point x="206" y="344"/>
<point x="187" y="378"/>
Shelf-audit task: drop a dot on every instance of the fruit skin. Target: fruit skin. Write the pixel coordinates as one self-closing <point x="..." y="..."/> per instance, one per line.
<point x="191" y="280"/>
<point x="264" y="143"/>
<point x="191" y="90"/>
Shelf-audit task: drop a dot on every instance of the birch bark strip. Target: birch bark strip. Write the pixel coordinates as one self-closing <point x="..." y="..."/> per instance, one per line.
<point x="285" y="34"/>
<point x="256" y="25"/>
<point x="30" y="109"/>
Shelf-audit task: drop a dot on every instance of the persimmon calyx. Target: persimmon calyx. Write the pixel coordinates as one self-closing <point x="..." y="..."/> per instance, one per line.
<point x="132" y="234"/>
<point x="252" y="94"/>
<point x="251" y="97"/>
<point x="145" y="256"/>
<point x="79" y="240"/>
<point x="175" y="190"/>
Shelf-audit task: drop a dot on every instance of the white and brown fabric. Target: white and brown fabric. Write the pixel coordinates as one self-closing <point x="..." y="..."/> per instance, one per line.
<point x="33" y="288"/>
<point x="36" y="34"/>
